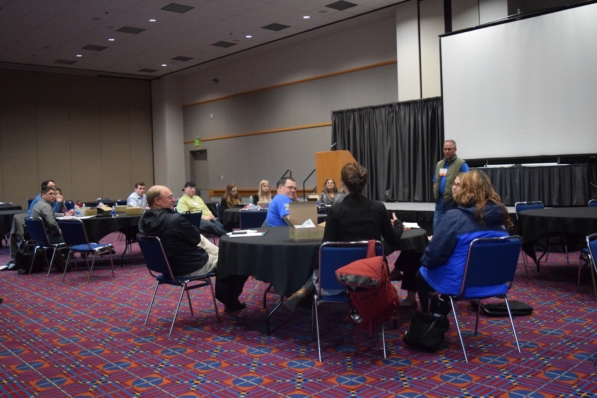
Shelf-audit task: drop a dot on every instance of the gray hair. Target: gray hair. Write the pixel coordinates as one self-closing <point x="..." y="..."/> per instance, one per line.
<point x="452" y="141"/>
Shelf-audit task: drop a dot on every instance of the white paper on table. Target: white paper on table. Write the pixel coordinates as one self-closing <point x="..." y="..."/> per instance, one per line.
<point x="73" y="218"/>
<point x="306" y="224"/>
<point x="410" y="225"/>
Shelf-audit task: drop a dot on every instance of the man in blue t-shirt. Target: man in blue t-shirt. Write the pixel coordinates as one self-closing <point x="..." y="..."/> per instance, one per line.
<point x="278" y="208"/>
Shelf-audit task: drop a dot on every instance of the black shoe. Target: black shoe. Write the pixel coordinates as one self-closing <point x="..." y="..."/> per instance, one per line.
<point x="236" y="308"/>
<point x="11" y="264"/>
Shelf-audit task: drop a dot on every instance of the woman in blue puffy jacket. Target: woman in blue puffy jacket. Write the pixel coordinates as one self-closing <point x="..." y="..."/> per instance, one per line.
<point x="480" y="214"/>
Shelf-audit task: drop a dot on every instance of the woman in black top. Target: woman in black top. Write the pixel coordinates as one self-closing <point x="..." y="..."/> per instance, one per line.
<point x="355" y="218"/>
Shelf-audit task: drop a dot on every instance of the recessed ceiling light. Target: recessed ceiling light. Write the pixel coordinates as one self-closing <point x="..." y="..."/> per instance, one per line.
<point x="164" y="64"/>
<point x="306" y="17"/>
<point x="110" y="39"/>
<point x="79" y="55"/>
<point x="248" y="36"/>
<point x="152" y="20"/>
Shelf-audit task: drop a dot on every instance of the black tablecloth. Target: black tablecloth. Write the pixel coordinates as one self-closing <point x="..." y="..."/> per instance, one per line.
<point x="231" y="218"/>
<point x="580" y="221"/>
<point x="10" y="207"/>
<point x="98" y="227"/>
<point x="275" y="259"/>
<point x="6" y="217"/>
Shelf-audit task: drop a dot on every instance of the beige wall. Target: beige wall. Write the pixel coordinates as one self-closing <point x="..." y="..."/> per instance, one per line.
<point x="92" y="135"/>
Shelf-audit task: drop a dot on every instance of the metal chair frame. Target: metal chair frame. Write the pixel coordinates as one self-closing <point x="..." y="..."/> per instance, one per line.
<point x="327" y="280"/>
<point x="38" y="233"/>
<point x="77" y="241"/>
<point x="159" y="268"/>
<point x="495" y="249"/>
<point x="592" y="248"/>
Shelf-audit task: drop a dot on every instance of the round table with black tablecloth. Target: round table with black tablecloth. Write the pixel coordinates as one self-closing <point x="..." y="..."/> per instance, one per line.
<point x="7" y="213"/>
<point x="231" y="218"/>
<point x="274" y="258"/>
<point x="575" y="222"/>
<point x="98" y="227"/>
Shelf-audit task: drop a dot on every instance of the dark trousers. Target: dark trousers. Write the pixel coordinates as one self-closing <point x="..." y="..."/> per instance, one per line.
<point x="229" y="289"/>
<point x="409" y="262"/>
<point x="424" y="291"/>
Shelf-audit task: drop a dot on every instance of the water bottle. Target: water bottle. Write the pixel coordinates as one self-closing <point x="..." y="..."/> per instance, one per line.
<point x="325" y="200"/>
<point x="113" y="210"/>
<point x="250" y="199"/>
<point x="318" y="202"/>
<point x="77" y="211"/>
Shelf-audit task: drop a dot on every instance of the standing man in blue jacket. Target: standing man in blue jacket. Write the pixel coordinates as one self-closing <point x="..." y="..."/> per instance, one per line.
<point x="446" y="172"/>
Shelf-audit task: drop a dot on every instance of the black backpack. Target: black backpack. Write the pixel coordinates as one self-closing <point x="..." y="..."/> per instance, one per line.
<point x="426" y="331"/>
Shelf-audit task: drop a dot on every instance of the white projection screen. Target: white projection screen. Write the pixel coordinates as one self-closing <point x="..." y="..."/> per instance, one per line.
<point x="523" y="88"/>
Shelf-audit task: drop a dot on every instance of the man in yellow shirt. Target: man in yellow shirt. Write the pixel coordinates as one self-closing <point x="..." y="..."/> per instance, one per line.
<point x="190" y="202"/>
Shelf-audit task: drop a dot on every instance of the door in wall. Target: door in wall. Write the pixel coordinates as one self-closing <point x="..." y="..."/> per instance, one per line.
<point x="200" y="173"/>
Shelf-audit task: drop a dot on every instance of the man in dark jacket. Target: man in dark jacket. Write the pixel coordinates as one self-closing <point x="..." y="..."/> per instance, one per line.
<point x="188" y="252"/>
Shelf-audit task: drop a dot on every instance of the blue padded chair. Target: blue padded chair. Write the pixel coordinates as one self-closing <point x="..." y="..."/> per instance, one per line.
<point x="159" y="268"/>
<point x="194" y="218"/>
<point x="334" y="255"/>
<point x="592" y="248"/>
<point x="548" y="237"/>
<point x="251" y="219"/>
<point x="37" y="232"/>
<point x="121" y="202"/>
<point x="593" y="203"/>
<point x="76" y="239"/>
<point x="69" y="204"/>
<point x="219" y="212"/>
<point x="489" y="271"/>
<point x="590" y="252"/>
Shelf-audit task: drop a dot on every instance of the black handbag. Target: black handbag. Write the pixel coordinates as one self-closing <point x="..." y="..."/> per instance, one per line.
<point x="499" y="309"/>
<point x="426" y="331"/>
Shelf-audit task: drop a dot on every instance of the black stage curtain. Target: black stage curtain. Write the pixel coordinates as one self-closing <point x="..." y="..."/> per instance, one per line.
<point x="553" y="185"/>
<point x="398" y="143"/>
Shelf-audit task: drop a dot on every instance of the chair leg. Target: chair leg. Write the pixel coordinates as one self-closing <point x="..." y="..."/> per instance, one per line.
<point x="66" y="265"/>
<point x="525" y="262"/>
<point x="213" y="297"/>
<point x="91" y="269"/>
<point x="477" y="321"/>
<point x="458" y="329"/>
<point x="157" y="284"/>
<point x="593" y="277"/>
<point x="383" y="339"/>
<point x="190" y="305"/>
<point x="51" y="261"/>
<point x="184" y="288"/>
<point x="512" y="322"/>
<point x="112" y="262"/>
<point x="315" y="304"/>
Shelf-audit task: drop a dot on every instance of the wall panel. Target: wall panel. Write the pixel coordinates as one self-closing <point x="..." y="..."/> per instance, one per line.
<point x="76" y="130"/>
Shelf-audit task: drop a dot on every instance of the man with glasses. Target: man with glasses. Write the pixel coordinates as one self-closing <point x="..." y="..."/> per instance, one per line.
<point x="279" y="207"/>
<point x="43" y="209"/>
<point x="446" y="172"/>
<point x="57" y="205"/>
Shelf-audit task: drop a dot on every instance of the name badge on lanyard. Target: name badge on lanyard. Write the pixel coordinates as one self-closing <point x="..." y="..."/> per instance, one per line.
<point x="443" y="172"/>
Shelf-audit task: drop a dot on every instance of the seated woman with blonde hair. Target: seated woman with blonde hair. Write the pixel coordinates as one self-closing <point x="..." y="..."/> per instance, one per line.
<point x="264" y="195"/>
<point x="480" y="214"/>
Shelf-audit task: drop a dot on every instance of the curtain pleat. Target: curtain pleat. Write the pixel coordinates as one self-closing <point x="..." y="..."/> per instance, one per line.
<point x="398" y="143"/>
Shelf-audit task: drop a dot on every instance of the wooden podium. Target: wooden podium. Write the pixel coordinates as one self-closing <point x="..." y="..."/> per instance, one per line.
<point x="329" y="164"/>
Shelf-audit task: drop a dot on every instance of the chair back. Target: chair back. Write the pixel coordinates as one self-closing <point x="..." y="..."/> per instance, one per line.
<point x="219" y="210"/>
<point x="593" y="203"/>
<point x="333" y="255"/>
<point x="522" y="206"/>
<point x="73" y="232"/>
<point x="37" y="231"/>
<point x="5" y="204"/>
<point x="252" y="219"/>
<point x="193" y="218"/>
<point x="154" y="255"/>
<point x="491" y="262"/>
<point x="69" y="204"/>
<point x="592" y="246"/>
<point x="121" y="202"/>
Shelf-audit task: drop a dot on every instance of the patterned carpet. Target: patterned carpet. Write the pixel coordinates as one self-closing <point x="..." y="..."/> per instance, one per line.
<point x="76" y="339"/>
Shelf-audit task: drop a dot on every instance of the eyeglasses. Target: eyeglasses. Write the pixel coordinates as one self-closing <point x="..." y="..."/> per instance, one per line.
<point x="456" y="185"/>
<point x="291" y="188"/>
<point x="449" y="149"/>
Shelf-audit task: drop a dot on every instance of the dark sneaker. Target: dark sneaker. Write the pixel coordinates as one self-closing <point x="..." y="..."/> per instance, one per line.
<point x="239" y="307"/>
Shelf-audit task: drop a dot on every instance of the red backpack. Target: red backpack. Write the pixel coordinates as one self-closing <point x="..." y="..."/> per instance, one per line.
<point x="373" y="299"/>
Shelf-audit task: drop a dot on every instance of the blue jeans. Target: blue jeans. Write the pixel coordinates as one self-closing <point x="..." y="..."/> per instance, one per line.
<point x="441" y="208"/>
<point x="213" y="227"/>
